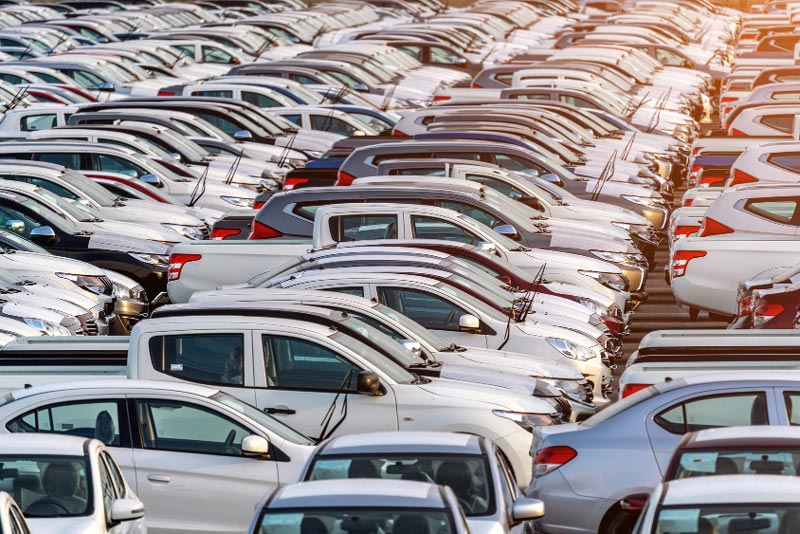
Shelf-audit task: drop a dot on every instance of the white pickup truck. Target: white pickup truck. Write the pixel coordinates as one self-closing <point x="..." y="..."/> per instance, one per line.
<point x="705" y="271"/>
<point x="207" y="265"/>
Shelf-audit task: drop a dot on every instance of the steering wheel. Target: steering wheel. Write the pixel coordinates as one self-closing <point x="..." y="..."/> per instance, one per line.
<point x="45" y="502"/>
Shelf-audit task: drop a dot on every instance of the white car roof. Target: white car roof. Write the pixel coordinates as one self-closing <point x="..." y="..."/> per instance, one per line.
<point x="373" y="493"/>
<point x="716" y="338"/>
<point x="732" y="489"/>
<point x="766" y="432"/>
<point x="354" y="276"/>
<point x="44" y="444"/>
<point x="402" y="442"/>
<point x="116" y="386"/>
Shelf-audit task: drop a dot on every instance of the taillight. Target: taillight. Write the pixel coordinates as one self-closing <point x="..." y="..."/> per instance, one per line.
<point x="262" y="231"/>
<point x="166" y="93"/>
<point x="345" y="179"/>
<point x="630" y="389"/>
<point x="712" y="227"/>
<point x="258" y="204"/>
<point x="696" y="150"/>
<point x="551" y="458"/>
<point x="726" y="99"/>
<point x="177" y="262"/>
<point x="696" y="168"/>
<point x="634" y="503"/>
<point x="476" y="86"/>
<point x="684" y="231"/>
<point x="291" y="182"/>
<point x="741" y="177"/>
<point x="398" y="133"/>
<point x="688" y="203"/>
<point x="681" y="260"/>
<point x="765" y="313"/>
<point x="224" y="233"/>
<point x="737" y="133"/>
<point x="440" y="98"/>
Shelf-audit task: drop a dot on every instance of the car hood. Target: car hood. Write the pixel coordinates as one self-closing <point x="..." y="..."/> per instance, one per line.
<point x="21" y="262"/>
<point x="587" y="209"/>
<point x="502" y="360"/>
<point x="492" y="376"/>
<point x="572" y="261"/>
<point x="44" y="301"/>
<point x="140" y="231"/>
<point x="17" y="328"/>
<point x="564" y="236"/>
<point x="148" y="211"/>
<point x="122" y="243"/>
<point x="15" y="309"/>
<point x="497" y="398"/>
<point x="75" y="297"/>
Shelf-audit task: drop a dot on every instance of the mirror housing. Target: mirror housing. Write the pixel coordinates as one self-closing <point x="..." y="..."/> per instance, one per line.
<point x="412" y="346"/>
<point x="488" y="247"/>
<point x="255" y="446"/>
<point x="43" y="236"/>
<point x="361" y="88"/>
<point x="368" y="383"/>
<point x="243" y="135"/>
<point x="508" y="230"/>
<point x="106" y="87"/>
<point x="461" y="62"/>
<point x="533" y="202"/>
<point x="469" y="323"/>
<point x="15" y="225"/>
<point x="152" y="179"/>
<point x="525" y="509"/>
<point x="126" y="510"/>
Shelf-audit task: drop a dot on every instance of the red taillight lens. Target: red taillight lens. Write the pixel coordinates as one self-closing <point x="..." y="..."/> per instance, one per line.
<point x="166" y="93"/>
<point x="696" y="150"/>
<point x="696" y="168"/>
<point x="688" y="203"/>
<point x="224" y="233"/>
<point x="681" y="260"/>
<point x="258" y="204"/>
<point x="440" y="98"/>
<point x="711" y="227"/>
<point x="630" y="389"/>
<point x="634" y="503"/>
<point x="177" y="262"/>
<point x="398" y="133"/>
<point x="737" y="133"/>
<point x="262" y="231"/>
<point x="551" y="458"/>
<point x="291" y="183"/>
<point x="741" y="177"/>
<point x="765" y="313"/>
<point x="345" y="179"/>
<point x="476" y="86"/>
<point x="684" y="231"/>
<point x="726" y="99"/>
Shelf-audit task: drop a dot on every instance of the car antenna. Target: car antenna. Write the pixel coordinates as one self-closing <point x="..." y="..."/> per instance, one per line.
<point x="329" y="414"/>
<point x="199" y="189"/>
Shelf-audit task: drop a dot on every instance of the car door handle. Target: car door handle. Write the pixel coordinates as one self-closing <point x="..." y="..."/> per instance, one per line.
<point x="280" y="409"/>
<point x="159" y="478"/>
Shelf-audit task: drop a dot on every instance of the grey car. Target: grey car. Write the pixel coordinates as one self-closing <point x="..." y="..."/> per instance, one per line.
<point x="591" y="466"/>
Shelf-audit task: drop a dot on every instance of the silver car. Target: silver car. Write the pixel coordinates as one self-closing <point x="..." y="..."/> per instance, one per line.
<point x="624" y="450"/>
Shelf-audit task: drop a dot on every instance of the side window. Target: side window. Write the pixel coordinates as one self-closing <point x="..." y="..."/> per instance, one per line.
<point x="294" y="119"/>
<point x="498" y="185"/>
<point x="413" y="51"/>
<point x="475" y="212"/>
<point x="788" y="161"/>
<point x="294" y="363"/>
<point x="215" y="94"/>
<point x="507" y="484"/>
<point x="107" y="489"/>
<point x="116" y="475"/>
<point x="90" y="419"/>
<point x="355" y="291"/>
<point x="53" y="188"/>
<point x="777" y="210"/>
<point x="786" y="95"/>
<point x="577" y="101"/>
<point x="226" y="126"/>
<point x="299" y="78"/>
<point x="363" y="228"/>
<point x="17" y="221"/>
<point x="177" y="426"/>
<point x="431" y="311"/>
<point x="515" y="164"/>
<point x="12" y="78"/>
<point x="668" y="57"/>
<point x="792" y="400"/>
<point x="782" y="123"/>
<point x="260" y="100"/>
<point x="70" y="161"/>
<point x="441" y="55"/>
<point x="326" y="123"/>
<point x="715" y="412"/>
<point x="206" y="358"/>
<point x="216" y="55"/>
<point x="108" y="163"/>
<point x="433" y="228"/>
<point x="32" y="123"/>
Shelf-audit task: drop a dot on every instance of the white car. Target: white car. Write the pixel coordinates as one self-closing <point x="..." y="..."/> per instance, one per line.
<point x="772" y="162"/>
<point x="201" y="462"/>
<point x="69" y="484"/>
<point x="755" y="209"/>
<point x="769" y="120"/>
<point x="360" y="506"/>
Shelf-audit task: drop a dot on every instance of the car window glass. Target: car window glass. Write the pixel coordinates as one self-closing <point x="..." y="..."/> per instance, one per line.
<point x="363" y="227"/>
<point x="71" y="161"/>
<point x="435" y="228"/>
<point x="431" y="311"/>
<point x="327" y="123"/>
<point x="260" y="100"/>
<point x="778" y="210"/>
<point x="294" y="119"/>
<point x="441" y="55"/>
<point x="214" y="93"/>
<point x="17" y="221"/>
<point x="787" y="160"/>
<point x="108" y="163"/>
<point x="32" y="123"/>
<point x="182" y="427"/>
<point x="215" y="55"/>
<point x="45" y="184"/>
<point x="475" y="212"/>
<point x="12" y="78"/>
<point x="498" y="185"/>
<point x="107" y="490"/>
<point x="413" y="51"/>
<point x="508" y="485"/>
<point x="49" y="485"/>
<point x="294" y="363"/>
<point x="668" y="57"/>
<point x="115" y="473"/>
<point x="714" y="412"/>
<point x="514" y="164"/>
<point x="372" y="121"/>
<point x="355" y="291"/>
<point x="206" y="358"/>
<point x="786" y="95"/>
<point x="782" y="123"/>
<point x="299" y="78"/>
<point x="793" y="407"/>
<point x="89" y="419"/>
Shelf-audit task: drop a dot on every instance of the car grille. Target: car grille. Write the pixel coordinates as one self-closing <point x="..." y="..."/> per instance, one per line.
<point x="206" y="231"/>
<point x="89" y="324"/>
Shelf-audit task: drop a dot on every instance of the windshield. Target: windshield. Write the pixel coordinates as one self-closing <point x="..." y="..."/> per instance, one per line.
<point x="472" y="301"/>
<point x="733" y="518"/>
<point x="60" y="486"/>
<point x="356" y="520"/>
<point x="392" y="351"/>
<point x="272" y="424"/>
<point x="10" y="240"/>
<point x="89" y="188"/>
<point x="79" y="212"/>
<point x="427" y="336"/>
<point x="465" y="474"/>
<point x="757" y="461"/>
<point x="481" y="229"/>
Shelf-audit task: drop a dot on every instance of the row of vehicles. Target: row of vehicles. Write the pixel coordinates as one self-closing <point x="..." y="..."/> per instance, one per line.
<point x="362" y="267"/>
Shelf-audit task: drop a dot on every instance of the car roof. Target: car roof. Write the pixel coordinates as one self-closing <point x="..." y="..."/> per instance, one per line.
<point x="731" y="489"/>
<point x="743" y="436"/>
<point x="373" y="493"/>
<point x="402" y="442"/>
<point x="44" y="444"/>
<point x="115" y="385"/>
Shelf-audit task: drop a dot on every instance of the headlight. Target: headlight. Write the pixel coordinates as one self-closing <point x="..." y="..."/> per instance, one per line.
<point x="526" y="420"/>
<point x="614" y="281"/>
<point x="607" y="255"/>
<point x="189" y="232"/>
<point x="650" y="202"/>
<point x="150" y="259"/>
<point x="95" y="284"/>
<point x="592" y="306"/>
<point x="47" y="327"/>
<point x="569" y="349"/>
<point x="239" y="202"/>
<point x="572" y="389"/>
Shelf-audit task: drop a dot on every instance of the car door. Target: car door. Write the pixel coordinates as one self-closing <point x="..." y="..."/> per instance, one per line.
<point x="310" y="385"/>
<point x="667" y="424"/>
<point x="191" y="474"/>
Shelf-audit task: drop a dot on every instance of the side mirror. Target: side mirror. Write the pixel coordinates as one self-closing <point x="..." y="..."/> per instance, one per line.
<point x="361" y="88"/>
<point x="15" y="225"/>
<point x="469" y="323"/>
<point x="412" y="346"/>
<point x="508" y="231"/>
<point x="255" y="446"/>
<point x="461" y="61"/>
<point x="243" y="135"/>
<point x="368" y="383"/>
<point x="488" y="247"/>
<point x="152" y="179"/>
<point x="236" y="61"/>
<point x="525" y="509"/>
<point x="43" y="236"/>
<point x="126" y="510"/>
<point x="106" y="87"/>
<point x="532" y="202"/>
